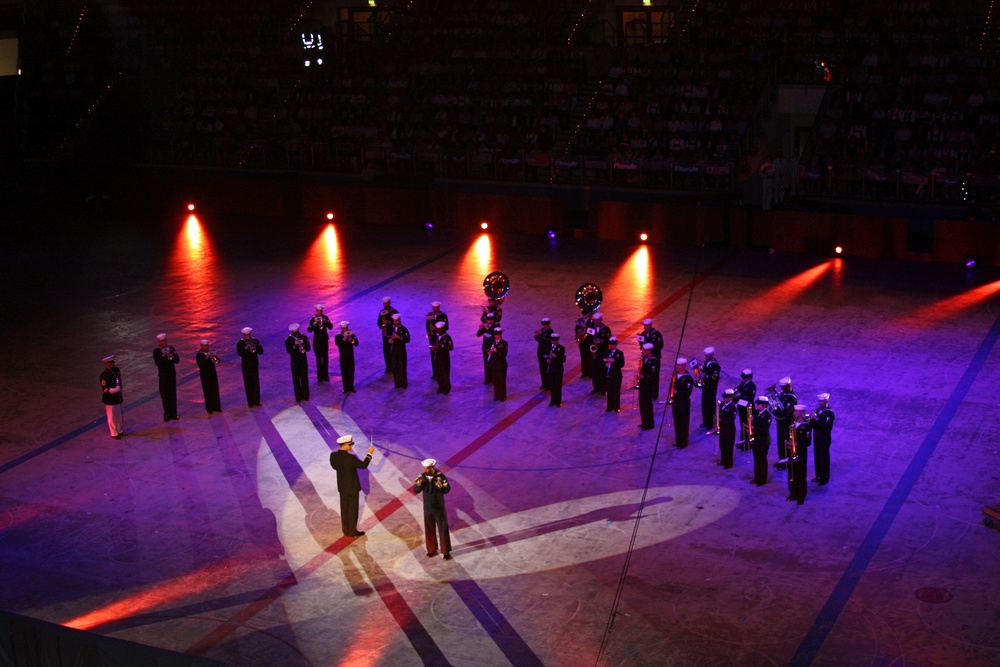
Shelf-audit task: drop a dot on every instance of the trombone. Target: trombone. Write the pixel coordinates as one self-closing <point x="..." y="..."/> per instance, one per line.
<point x="718" y="436"/>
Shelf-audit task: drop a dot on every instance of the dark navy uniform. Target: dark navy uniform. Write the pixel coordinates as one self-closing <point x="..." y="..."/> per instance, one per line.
<point x="649" y="380"/>
<point x="544" y="340"/>
<point x="166" y="359"/>
<point x="710" y="374"/>
<point x="822" y="426"/>
<point x="761" y="443"/>
<point x="430" y="324"/>
<point x="783" y="421"/>
<point x="442" y="360"/>
<point x="348" y="486"/>
<point x="436" y="534"/>
<point x="746" y="393"/>
<point x="613" y="379"/>
<point x="385" y="330"/>
<point x="598" y="373"/>
<point x="346" y="341"/>
<point x="319" y="325"/>
<point x="485" y="334"/>
<point x="297" y="345"/>
<point x="555" y="365"/>
<point x="249" y="350"/>
<point x="797" y="485"/>
<point x="209" y="380"/>
<point x="398" y="340"/>
<point x="727" y="433"/>
<point x="498" y="368"/>
<point x="583" y="342"/>
<point x="681" y="405"/>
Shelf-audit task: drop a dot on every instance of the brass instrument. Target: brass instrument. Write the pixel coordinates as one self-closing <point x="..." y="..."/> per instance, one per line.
<point x="749" y="441"/>
<point x="350" y="337"/>
<point x="793" y="451"/>
<point x="588" y="298"/>
<point x="496" y="285"/>
<point x="168" y="352"/>
<point x="549" y="357"/>
<point x="716" y="431"/>
<point x="489" y="356"/>
<point x="695" y="367"/>
<point x="250" y="345"/>
<point x="300" y="345"/>
<point x="211" y="354"/>
<point x="773" y="398"/>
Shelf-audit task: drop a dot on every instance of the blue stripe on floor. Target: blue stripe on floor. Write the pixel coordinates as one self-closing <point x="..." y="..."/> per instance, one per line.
<point x="842" y="592"/>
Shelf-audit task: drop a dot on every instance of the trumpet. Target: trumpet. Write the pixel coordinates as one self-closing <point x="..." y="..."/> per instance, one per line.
<point x="211" y="354"/>
<point x="251" y="345"/>
<point x="168" y="353"/>
<point x="350" y="337"/>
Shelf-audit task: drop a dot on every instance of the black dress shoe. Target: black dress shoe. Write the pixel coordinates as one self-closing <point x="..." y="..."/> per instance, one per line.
<point x="431" y="554"/>
<point x="801" y="501"/>
<point x="358" y="534"/>
<point x="117" y="437"/>
<point x="447" y="556"/>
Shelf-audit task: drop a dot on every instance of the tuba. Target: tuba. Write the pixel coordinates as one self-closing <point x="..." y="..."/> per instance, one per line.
<point x="695" y="367"/>
<point x="496" y="285"/>
<point x="588" y="298"/>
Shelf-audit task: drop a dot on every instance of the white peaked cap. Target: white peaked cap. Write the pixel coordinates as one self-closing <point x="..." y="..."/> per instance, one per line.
<point x="247" y="330"/>
<point x="681" y="361"/>
<point x="161" y="336"/>
<point x="546" y="320"/>
<point x="823" y="397"/>
<point x="498" y="330"/>
<point x="345" y="324"/>
<point x="205" y="341"/>
<point x="761" y="399"/>
<point x="435" y="304"/>
<point x="598" y="316"/>
<point x="612" y="340"/>
<point x="428" y="463"/>
<point x="555" y="335"/>
<point x="345" y="440"/>
<point x="319" y="306"/>
<point x="647" y="321"/>
<point x="785" y="381"/>
<point x="293" y="327"/>
<point x="647" y="346"/>
<point x="110" y="357"/>
<point x="440" y="325"/>
<point x="800" y="407"/>
<point x="709" y="350"/>
<point x="395" y="316"/>
<point x="747" y="371"/>
<point x="386" y="299"/>
<point x="728" y="392"/>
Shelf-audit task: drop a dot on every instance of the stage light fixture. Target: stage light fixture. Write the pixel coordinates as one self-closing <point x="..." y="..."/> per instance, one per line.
<point x="190" y="207"/>
<point x="329" y="216"/>
<point x="550" y="233"/>
<point x="643" y="237"/>
<point x="428" y="225"/>
<point x="484" y="225"/>
<point x="970" y="262"/>
<point x="838" y="250"/>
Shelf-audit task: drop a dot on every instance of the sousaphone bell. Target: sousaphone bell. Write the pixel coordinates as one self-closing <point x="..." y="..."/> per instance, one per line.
<point x="496" y="285"/>
<point x="588" y="298"/>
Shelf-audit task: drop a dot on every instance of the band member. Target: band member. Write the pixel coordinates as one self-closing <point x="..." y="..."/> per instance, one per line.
<point x="497" y="361"/>
<point x="583" y="342"/>
<point x="346" y="341"/>
<point x="385" y="328"/>
<point x="680" y="399"/>
<point x="442" y="357"/>
<point x="319" y="325"/>
<point x="166" y="359"/>
<point x="207" y="360"/>
<point x="649" y="381"/>
<point x="783" y="417"/>
<point x="297" y="345"/>
<point x="556" y="363"/>
<point x="493" y="308"/>
<point x="485" y="334"/>
<point x="727" y="428"/>
<point x="348" y="483"/>
<point x="613" y="364"/>
<point x="399" y="338"/>
<point x="433" y="484"/>
<point x="111" y="396"/>
<point x="746" y="392"/>
<point x="761" y="440"/>
<point x="709" y="382"/>
<point x="249" y="350"/>
<point x="798" y="455"/>
<point x="430" y="325"/>
<point x="543" y="337"/>
<point x="598" y="351"/>
<point x="822" y="425"/>
<point x="651" y="335"/>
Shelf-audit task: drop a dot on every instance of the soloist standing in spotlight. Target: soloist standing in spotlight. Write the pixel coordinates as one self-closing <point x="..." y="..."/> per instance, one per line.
<point x="649" y="381"/>
<point x="710" y="373"/>
<point x="433" y="485"/>
<point x="598" y="351"/>
<point x="497" y="362"/>
<point x="822" y="426"/>
<point x="614" y="362"/>
<point x="249" y="350"/>
<point x="761" y="440"/>
<point x="348" y="483"/>
<point x="166" y="359"/>
<point x="543" y="337"/>
<point x="485" y="334"/>
<point x="319" y="325"/>
<point x="555" y="361"/>
<point x="385" y="330"/>
<point x="443" y="345"/>
<point x="346" y="341"/>
<point x="432" y="320"/>
<point x="111" y="396"/>
<point x="398" y="340"/>
<point x="727" y="428"/>
<point x="680" y="398"/>
<point x="207" y="360"/>
<point x="297" y="345"/>
<point x="798" y="455"/>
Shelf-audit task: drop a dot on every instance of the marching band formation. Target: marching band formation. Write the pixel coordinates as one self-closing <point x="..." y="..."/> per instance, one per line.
<point x="601" y="361"/>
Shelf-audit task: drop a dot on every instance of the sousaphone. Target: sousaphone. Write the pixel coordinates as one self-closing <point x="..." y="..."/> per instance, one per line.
<point x="496" y="285"/>
<point x="588" y="298"/>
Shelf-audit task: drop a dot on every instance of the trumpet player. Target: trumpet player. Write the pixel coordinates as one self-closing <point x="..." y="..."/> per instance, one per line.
<point x="398" y="340"/>
<point x="555" y="364"/>
<point x="710" y="373"/>
<point x="543" y="337"/>
<point x="797" y="449"/>
<point x="319" y="325"/>
<point x="430" y="324"/>
<point x="207" y="360"/>
<point x="822" y="426"/>
<point x="783" y="416"/>
<point x="598" y="351"/>
<point x="614" y="362"/>
<point x="346" y="341"/>
<point x="649" y="381"/>
<point x="485" y="334"/>
<point x="680" y="399"/>
<point x="746" y="393"/>
<point x="497" y="361"/>
<point x="761" y="441"/>
<point x="443" y="344"/>
<point x="434" y="485"/>
<point x="727" y="428"/>
<point x="297" y="345"/>
<point x="249" y="350"/>
<point x="166" y="359"/>
<point x="385" y="330"/>
<point x="111" y="396"/>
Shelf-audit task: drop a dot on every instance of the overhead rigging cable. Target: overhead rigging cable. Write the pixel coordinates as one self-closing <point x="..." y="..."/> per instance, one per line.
<point x="605" y="640"/>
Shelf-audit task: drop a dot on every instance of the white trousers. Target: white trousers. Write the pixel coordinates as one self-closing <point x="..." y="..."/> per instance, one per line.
<point x="114" y="419"/>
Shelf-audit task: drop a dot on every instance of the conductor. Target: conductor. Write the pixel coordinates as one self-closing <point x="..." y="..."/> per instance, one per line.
<point x="348" y="484"/>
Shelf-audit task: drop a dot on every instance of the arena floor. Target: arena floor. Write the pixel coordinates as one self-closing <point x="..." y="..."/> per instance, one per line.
<point x="219" y="535"/>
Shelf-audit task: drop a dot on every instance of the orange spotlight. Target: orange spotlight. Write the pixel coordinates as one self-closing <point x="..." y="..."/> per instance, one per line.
<point x="323" y="265"/>
<point x="634" y="278"/>
<point x="644" y="237"/>
<point x="944" y="309"/>
<point x="484" y="225"/>
<point x="329" y="216"/>
<point x="478" y="260"/>
<point x="190" y="207"/>
<point x="838" y="250"/>
<point x="781" y="295"/>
